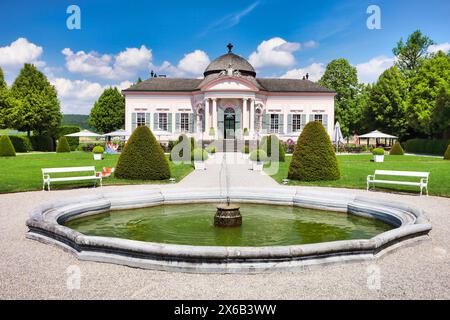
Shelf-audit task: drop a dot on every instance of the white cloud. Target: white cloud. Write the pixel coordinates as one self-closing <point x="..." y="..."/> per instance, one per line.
<point x="124" y="65"/>
<point x="444" y="47"/>
<point x="194" y="63"/>
<point x="315" y="71"/>
<point x="79" y="96"/>
<point x="275" y="52"/>
<point x="368" y="72"/>
<point x="19" y="52"/>
<point x="311" y="44"/>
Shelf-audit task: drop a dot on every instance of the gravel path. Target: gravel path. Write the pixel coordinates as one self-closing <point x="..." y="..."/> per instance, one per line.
<point x="32" y="270"/>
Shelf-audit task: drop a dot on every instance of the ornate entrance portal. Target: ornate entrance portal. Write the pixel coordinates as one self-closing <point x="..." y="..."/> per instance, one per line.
<point x="229" y="123"/>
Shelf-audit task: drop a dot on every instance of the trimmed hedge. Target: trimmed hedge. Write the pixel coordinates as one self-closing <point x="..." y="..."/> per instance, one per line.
<point x="42" y="143"/>
<point x="63" y="145"/>
<point x="397" y="150"/>
<point x="266" y="145"/>
<point x="6" y="147"/>
<point x="427" y="146"/>
<point x="21" y="143"/>
<point x="314" y="158"/>
<point x="447" y="153"/>
<point x="142" y="158"/>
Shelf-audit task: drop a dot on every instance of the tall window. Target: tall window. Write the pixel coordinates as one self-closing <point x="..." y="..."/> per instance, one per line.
<point x="274" y="123"/>
<point x="162" y="121"/>
<point x="140" y="119"/>
<point x="318" y="118"/>
<point x="297" y="122"/>
<point x="184" y="122"/>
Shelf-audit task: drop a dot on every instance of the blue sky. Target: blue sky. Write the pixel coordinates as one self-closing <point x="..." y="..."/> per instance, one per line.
<point x="120" y="41"/>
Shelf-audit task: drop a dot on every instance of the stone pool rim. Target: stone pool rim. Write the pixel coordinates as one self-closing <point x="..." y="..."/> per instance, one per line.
<point x="45" y="225"/>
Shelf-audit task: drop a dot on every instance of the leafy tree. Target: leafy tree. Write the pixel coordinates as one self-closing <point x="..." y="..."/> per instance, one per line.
<point x="341" y="77"/>
<point x="38" y="107"/>
<point x="3" y="85"/>
<point x="387" y="107"/>
<point x="440" y="118"/>
<point x="7" y="104"/>
<point x="428" y="81"/>
<point x="410" y="54"/>
<point x="108" y="113"/>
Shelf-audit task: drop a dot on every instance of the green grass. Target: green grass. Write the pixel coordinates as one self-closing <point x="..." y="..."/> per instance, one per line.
<point x="23" y="172"/>
<point x="355" y="168"/>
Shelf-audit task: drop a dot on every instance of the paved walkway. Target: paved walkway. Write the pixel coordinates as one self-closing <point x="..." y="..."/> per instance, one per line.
<point x="32" y="270"/>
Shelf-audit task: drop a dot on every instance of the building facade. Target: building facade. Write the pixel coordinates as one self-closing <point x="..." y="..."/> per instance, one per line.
<point x="229" y="102"/>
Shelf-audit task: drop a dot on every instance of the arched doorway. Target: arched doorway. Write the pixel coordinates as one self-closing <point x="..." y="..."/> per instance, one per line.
<point x="229" y="123"/>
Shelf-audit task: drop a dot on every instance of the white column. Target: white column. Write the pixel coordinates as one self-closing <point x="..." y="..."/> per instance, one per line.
<point x="207" y="124"/>
<point x="214" y="114"/>
<point x="252" y="118"/>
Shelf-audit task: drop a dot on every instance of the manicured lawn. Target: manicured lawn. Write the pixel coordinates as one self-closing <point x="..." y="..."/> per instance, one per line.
<point x="355" y="168"/>
<point x="23" y="172"/>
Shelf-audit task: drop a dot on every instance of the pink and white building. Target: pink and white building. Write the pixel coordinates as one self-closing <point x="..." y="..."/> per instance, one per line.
<point x="229" y="102"/>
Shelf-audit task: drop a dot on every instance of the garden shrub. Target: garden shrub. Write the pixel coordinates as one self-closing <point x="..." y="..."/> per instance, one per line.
<point x="89" y="147"/>
<point x="427" y="146"/>
<point x="42" y="143"/>
<point x="378" y="152"/>
<point x="447" y="153"/>
<point x="397" y="150"/>
<point x="314" y="158"/>
<point x="98" y="149"/>
<point x="212" y="149"/>
<point x="63" y="145"/>
<point x="6" y="147"/>
<point x="142" y="158"/>
<point x="246" y="149"/>
<point x="68" y="129"/>
<point x="267" y="146"/>
<point x="21" y="143"/>
<point x="199" y="154"/>
<point x="258" y="155"/>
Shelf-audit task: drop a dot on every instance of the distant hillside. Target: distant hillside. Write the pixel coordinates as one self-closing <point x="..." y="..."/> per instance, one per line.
<point x="80" y="120"/>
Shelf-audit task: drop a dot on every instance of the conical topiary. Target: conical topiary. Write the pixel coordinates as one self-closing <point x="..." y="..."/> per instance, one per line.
<point x="314" y="158"/>
<point x="266" y="145"/>
<point x="6" y="147"/>
<point x="447" y="153"/>
<point x="63" y="145"/>
<point x="397" y="150"/>
<point x="142" y="158"/>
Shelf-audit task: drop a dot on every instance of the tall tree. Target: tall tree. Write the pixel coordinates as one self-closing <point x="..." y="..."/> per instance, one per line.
<point x="410" y="54"/>
<point x="108" y="113"/>
<point x="387" y="103"/>
<point x="8" y="105"/>
<point x="38" y="107"/>
<point x="3" y="85"/>
<point x="441" y="114"/>
<point x="341" y="77"/>
<point x="432" y="75"/>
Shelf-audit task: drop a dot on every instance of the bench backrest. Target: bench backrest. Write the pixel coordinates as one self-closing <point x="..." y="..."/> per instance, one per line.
<point x="68" y="169"/>
<point x="402" y="173"/>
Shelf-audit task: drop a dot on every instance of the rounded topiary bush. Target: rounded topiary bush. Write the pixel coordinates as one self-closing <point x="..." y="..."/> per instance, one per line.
<point x="142" y="158"/>
<point x="6" y="147"/>
<point x="378" y="152"/>
<point x="258" y="155"/>
<point x="314" y="158"/>
<point x="199" y="154"/>
<point x="397" y="150"/>
<point x="63" y="145"/>
<point x="98" y="150"/>
<point x="447" y="153"/>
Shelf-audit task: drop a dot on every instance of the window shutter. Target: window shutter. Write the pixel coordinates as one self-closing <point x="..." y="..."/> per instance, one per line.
<point x="147" y="120"/>
<point x="177" y="122"/>
<point x="303" y="124"/>
<point x="133" y="122"/>
<point x="289" y="123"/>
<point x="281" y="123"/>
<point x="325" y="121"/>
<point x="155" y="121"/>
<point x="191" y="122"/>
<point x="266" y="121"/>
<point x="169" y="122"/>
<point x="238" y="119"/>
<point x="311" y="118"/>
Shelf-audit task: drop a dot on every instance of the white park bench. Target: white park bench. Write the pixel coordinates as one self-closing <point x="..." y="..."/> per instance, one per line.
<point x="48" y="172"/>
<point x="375" y="178"/>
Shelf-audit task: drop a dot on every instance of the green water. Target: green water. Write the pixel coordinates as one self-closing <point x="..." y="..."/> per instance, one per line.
<point x="262" y="225"/>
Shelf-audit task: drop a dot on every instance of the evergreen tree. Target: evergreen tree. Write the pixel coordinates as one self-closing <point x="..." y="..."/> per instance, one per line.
<point x="37" y="107"/>
<point x="440" y="118"/>
<point x="410" y="54"/>
<point x="108" y="113"/>
<point x="341" y="77"/>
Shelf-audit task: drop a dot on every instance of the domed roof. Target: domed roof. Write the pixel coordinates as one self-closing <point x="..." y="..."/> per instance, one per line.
<point x="230" y="59"/>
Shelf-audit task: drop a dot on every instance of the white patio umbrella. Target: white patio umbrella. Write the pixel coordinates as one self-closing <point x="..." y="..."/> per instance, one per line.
<point x="117" y="133"/>
<point x="337" y="135"/>
<point x="84" y="134"/>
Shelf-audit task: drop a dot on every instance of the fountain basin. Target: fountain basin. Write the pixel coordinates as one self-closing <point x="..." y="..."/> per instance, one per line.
<point x="46" y="225"/>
